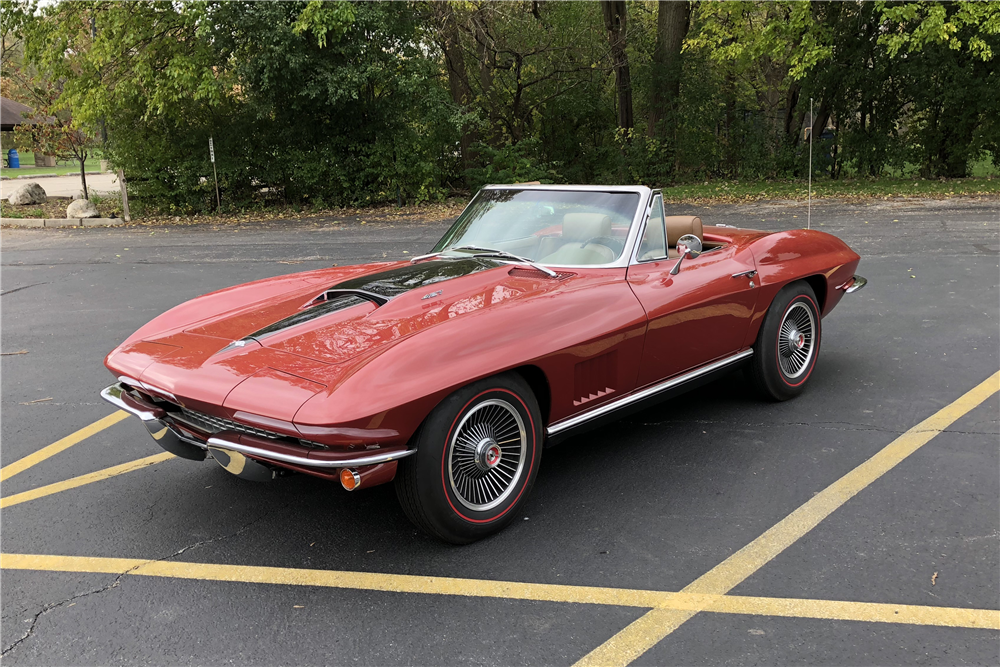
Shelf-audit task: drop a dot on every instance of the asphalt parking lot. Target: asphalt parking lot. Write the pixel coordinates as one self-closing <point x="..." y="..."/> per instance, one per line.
<point x="857" y="524"/>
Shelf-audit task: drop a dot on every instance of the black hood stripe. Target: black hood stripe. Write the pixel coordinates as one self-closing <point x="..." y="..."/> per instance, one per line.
<point x="377" y="287"/>
<point x="398" y="281"/>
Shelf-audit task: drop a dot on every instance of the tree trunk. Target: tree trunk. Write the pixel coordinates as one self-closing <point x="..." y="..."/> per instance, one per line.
<point x="482" y="50"/>
<point x="820" y="120"/>
<point x="615" y="16"/>
<point x="791" y="101"/>
<point x="83" y="175"/>
<point x="672" y="21"/>
<point x="458" y="80"/>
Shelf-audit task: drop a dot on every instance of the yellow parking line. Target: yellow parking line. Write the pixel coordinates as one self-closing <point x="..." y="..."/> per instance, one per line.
<point x="650" y="629"/>
<point x="82" y="480"/>
<point x="513" y="590"/>
<point x="51" y="450"/>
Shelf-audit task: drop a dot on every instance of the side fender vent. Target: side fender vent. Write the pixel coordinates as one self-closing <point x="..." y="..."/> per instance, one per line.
<point x="595" y="378"/>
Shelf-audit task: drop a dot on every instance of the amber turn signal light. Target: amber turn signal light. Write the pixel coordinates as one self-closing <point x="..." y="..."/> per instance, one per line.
<point x="350" y="479"/>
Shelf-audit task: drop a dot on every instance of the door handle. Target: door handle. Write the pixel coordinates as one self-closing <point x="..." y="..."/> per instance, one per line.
<point x="749" y="274"/>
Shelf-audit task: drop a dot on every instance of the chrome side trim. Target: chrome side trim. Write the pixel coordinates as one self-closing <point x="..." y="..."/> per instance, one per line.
<point x="221" y="442"/>
<point x="643" y="394"/>
<point x="113" y="395"/>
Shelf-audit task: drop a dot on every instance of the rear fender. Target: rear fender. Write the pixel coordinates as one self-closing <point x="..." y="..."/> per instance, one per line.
<point x="800" y="254"/>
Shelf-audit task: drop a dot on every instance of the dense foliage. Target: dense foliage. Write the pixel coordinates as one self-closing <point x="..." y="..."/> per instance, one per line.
<point x="357" y="102"/>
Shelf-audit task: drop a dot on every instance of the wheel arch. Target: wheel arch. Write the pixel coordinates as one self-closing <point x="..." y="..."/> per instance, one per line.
<point x="819" y="288"/>
<point x="538" y="382"/>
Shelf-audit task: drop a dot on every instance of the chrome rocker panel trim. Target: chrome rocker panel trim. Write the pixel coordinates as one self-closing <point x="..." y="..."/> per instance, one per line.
<point x="649" y="392"/>
<point x="373" y="459"/>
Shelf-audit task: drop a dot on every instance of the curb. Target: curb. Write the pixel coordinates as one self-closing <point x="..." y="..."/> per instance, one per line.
<point x="75" y="173"/>
<point x="61" y="222"/>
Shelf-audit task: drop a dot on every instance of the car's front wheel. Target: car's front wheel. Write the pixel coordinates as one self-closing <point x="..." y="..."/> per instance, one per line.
<point x="788" y="344"/>
<point x="477" y="456"/>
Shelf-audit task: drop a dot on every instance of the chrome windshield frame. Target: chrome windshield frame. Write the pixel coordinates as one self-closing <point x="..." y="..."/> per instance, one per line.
<point x="641" y="212"/>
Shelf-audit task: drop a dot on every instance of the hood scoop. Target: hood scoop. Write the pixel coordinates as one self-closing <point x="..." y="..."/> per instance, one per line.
<point x="392" y="283"/>
<point x="377" y="288"/>
<point x="326" y="303"/>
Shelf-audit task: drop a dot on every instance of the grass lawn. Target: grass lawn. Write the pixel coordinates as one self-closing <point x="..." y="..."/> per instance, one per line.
<point x="857" y="188"/>
<point x="28" y="167"/>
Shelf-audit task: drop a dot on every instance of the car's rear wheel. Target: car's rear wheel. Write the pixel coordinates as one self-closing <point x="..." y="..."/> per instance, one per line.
<point x="788" y="344"/>
<point x="477" y="456"/>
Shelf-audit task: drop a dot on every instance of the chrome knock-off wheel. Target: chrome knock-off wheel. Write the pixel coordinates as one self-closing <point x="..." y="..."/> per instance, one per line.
<point x="486" y="455"/>
<point x="796" y="337"/>
<point x="478" y="453"/>
<point x="788" y="343"/>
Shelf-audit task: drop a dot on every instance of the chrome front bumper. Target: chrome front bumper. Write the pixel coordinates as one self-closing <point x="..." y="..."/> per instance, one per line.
<point x="168" y="436"/>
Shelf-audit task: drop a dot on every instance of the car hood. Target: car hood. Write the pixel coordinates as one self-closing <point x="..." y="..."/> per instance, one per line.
<point x="267" y="357"/>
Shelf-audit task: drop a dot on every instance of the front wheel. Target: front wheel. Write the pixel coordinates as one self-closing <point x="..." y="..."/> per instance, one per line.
<point x="477" y="456"/>
<point x="788" y="344"/>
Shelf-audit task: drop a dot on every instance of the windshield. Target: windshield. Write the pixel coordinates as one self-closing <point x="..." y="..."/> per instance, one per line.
<point x="546" y="226"/>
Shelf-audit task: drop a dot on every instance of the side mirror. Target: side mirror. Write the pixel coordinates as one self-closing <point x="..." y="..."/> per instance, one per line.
<point x="689" y="247"/>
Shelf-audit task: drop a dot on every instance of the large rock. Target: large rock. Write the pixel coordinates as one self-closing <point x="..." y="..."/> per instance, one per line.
<point x="29" y="193"/>
<point x="82" y="208"/>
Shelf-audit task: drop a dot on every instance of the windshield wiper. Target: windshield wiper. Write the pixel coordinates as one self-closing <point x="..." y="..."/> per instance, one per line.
<point x="491" y="252"/>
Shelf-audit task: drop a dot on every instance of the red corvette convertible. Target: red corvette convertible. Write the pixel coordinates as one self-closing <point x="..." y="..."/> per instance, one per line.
<point x="542" y="311"/>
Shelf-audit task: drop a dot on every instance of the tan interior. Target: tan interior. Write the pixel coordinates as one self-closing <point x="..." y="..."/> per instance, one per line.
<point x="679" y="225"/>
<point x="577" y="230"/>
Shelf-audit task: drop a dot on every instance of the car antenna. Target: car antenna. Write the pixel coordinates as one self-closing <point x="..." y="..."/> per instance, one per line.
<point x="809" y="207"/>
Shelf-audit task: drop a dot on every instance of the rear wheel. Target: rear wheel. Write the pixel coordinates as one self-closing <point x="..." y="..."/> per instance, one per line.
<point x="788" y="344"/>
<point x="477" y="456"/>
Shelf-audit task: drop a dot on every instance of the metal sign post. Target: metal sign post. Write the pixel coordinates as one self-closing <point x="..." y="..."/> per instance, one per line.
<point x="124" y="189"/>
<point x="211" y="155"/>
<point x="812" y="123"/>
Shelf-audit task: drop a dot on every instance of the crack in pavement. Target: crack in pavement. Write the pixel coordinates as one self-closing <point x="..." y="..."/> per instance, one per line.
<point x="117" y="580"/>
<point x="18" y="289"/>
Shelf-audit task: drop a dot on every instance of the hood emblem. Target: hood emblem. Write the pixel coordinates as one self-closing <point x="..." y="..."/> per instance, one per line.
<point x="432" y="295"/>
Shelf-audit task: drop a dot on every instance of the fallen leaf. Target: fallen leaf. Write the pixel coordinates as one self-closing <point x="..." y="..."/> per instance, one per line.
<point x="934" y="579"/>
<point x="38" y="400"/>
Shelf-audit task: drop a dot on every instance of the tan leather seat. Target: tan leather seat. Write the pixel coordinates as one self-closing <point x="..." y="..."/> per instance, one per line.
<point x="678" y="226"/>
<point x="577" y="229"/>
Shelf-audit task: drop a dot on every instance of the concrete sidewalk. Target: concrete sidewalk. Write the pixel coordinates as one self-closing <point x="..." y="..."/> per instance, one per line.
<point x="64" y="186"/>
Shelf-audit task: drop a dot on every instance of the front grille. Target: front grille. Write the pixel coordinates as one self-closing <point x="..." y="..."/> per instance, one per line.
<point x="212" y="424"/>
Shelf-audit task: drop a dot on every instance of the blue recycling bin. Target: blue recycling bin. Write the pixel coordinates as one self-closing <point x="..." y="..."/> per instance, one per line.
<point x="13" y="160"/>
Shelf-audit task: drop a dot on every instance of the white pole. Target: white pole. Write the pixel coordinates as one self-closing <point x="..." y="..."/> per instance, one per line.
<point x="809" y="208"/>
